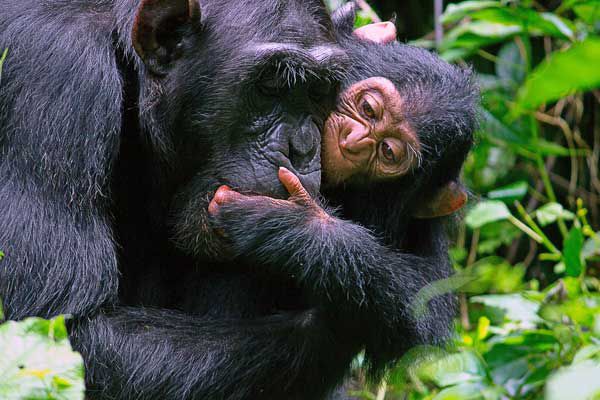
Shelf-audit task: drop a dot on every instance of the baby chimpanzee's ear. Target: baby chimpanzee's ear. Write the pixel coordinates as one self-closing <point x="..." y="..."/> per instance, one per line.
<point x="343" y="18"/>
<point x="446" y="201"/>
<point x="380" y="32"/>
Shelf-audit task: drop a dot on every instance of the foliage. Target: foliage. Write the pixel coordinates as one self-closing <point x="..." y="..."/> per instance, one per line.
<point x="37" y="361"/>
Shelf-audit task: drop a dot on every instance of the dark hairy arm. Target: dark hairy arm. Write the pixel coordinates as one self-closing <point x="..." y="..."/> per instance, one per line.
<point x="362" y="284"/>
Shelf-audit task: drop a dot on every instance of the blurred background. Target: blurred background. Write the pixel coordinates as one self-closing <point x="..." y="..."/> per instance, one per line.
<point x="529" y="324"/>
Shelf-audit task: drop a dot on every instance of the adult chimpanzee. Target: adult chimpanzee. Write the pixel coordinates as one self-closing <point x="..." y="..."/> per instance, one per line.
<point x="116" y="115"/>
<point x="402" y="129"/>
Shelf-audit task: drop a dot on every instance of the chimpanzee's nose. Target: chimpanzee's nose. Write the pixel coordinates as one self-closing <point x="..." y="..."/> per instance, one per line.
<point x="357" y="141"/>
<point x="304" y="144"/>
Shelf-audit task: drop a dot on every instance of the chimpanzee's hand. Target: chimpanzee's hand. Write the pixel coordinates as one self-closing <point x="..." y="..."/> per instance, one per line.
<point x="245" y="219"/>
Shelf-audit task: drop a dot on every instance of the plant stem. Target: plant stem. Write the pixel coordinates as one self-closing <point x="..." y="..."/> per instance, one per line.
<point x="531" y="223"/>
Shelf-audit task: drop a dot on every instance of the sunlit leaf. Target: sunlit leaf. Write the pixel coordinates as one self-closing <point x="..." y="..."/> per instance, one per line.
<point x="528" y="20"/>
<point x="591" y="351"/>
<point x="465" y="391"/>
<point x="483" y="327"/>
<point x="486" y="212"/>
<point x="551" y="212"/>
<point x="469" y="37"/>
<point x="454" y="12"/>
<point x="454" y="369"/>
<point x="515" y="307"/>
<point x="575" y="69"/>
<point x="509" y="193"/>
<point x="37" y="361"/>
<point x="591" y="246"/>
<point x="576" y="382"/>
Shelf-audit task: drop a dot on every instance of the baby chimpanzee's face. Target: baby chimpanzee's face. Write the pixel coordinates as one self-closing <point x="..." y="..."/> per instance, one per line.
<point x="367" y="138"/>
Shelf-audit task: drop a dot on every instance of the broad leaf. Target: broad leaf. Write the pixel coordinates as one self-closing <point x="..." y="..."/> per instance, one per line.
<point x="549" y="213"/>
<point x="577" y="382"/>
<point x="565" y="72"/>
<point x="528" y="19"/>
<point x="509" y="193"/>
<point x="486" y="212"/>
<point x="572" y="250"/>
<point x="454" y="12"/>
<point x="37" y="361"/>
<point x="515" y="306"/>
<point x="454" y="369"/>
<point x="591" y="246"/>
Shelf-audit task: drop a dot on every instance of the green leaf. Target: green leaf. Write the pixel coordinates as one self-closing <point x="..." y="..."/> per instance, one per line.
<point x="454" y="369"/>
<point x="486" y="212"/>
<point x="510" y="66"/>
<point x="588" y="11"/>
<point x="37" y="361"/>
<point x="469" y="37"/>
<point x="575" y="69"/>
<point x="509" y="193"/>
<point x="454" y="12"/>
<point x="544" y="147"/>
<point x="528" y="20"/>
<point x="591" y="247"/>
<point x="494" y="274"/>
<point x="465" y="391"/>
<point x="551" y="212"/>
<point x="576" y="382"/>
<point x="515" y="306"/>
<point x="572" y="250"/>
<point x="497" y="129"/>
<point x="591" y="351"/>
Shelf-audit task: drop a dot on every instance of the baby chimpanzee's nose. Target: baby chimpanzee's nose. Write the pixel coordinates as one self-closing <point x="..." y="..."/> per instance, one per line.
<point x="357" y="141"/>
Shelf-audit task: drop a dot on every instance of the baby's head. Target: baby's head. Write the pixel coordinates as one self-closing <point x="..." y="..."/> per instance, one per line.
<point x="402" y="112"/>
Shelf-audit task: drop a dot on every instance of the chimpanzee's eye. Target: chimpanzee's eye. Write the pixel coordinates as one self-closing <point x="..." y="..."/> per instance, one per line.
<point x="270" y="87"/>
<point x="368" y="109"/>
<point x="387" y="152"/>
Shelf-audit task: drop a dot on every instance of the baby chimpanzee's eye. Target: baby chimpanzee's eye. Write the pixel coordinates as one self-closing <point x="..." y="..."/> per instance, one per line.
<point x="368" y="109"/>
<point x="387" y="152"/>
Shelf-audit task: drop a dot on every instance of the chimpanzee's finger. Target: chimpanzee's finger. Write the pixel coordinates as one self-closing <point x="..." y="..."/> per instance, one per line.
<point x="223" y="195"/>
<point x="293" y="184"/>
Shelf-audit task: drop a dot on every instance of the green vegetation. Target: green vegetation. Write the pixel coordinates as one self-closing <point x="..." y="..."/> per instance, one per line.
<point x="37" y="361"/>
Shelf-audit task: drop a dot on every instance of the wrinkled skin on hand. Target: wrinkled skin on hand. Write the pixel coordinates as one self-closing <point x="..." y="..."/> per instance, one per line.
<point x="228" y="203"/>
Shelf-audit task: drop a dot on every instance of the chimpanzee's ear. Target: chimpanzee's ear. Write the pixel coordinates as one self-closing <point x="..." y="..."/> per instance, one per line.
<point x="446" y="201"/>
<point x="380" y="32"/>
<point x="343" y="18"/>
<point x="159" y="28"/>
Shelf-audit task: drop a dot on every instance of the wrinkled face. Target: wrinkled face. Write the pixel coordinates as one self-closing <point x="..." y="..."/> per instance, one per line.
<point x="367" y="138"/>
<point x="269" y="113"/>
